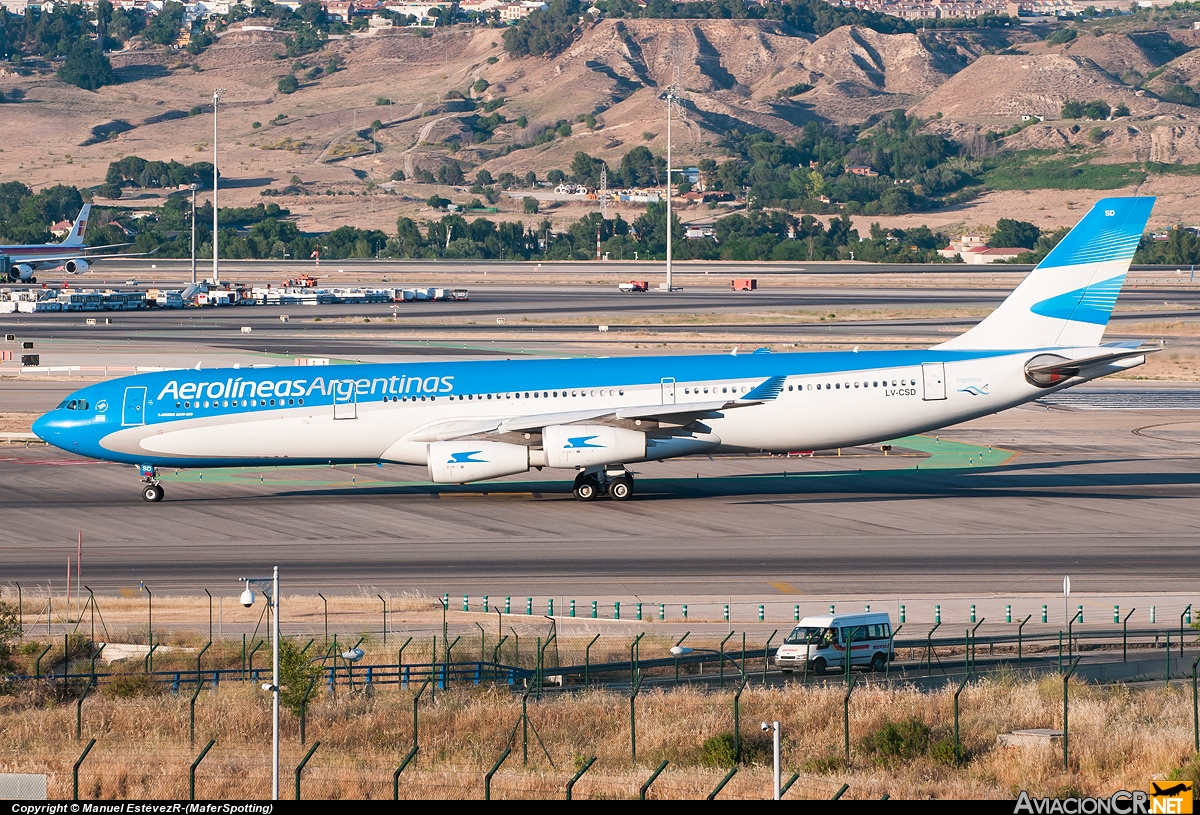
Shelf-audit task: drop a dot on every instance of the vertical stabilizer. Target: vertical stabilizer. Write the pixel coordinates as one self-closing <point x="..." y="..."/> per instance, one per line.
<point x="1067" y="300"/>
<point x="75" y="238"/>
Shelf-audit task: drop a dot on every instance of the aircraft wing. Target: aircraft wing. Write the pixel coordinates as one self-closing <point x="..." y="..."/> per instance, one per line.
<point x="680" y="413"/>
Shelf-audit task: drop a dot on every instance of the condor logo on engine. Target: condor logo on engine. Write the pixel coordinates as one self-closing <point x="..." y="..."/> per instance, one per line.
<point x="590" y="445"/>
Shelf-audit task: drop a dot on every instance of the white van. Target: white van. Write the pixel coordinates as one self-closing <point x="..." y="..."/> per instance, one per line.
<point x="822" y="642"/>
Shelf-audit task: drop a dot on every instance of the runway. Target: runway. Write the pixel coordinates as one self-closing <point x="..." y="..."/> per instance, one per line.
<point x="1101" y="481"/>
<point x="1060" y="491"/>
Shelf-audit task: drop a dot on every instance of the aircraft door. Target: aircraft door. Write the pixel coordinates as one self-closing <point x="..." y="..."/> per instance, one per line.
<point x="345" y="406"/>
<point x="934" y="375"/>
<point x="133" y="409"/>
<point x="668" y="390"/>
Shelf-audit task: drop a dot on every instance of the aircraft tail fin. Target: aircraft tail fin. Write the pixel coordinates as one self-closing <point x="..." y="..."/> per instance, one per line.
<point x="1068" y="298"/>
<point x="75" y="238"/>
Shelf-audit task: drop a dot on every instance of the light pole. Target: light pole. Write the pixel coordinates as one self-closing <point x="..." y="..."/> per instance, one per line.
<point x="269" y="586"/>
<point x="670" y="97"/>
<point x="192" y="187"/>
<point x="775" y="727"/>
<point x="216" y="214"/>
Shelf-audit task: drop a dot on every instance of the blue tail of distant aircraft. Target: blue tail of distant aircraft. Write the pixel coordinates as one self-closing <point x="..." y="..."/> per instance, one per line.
<point x="1067" y="300"/>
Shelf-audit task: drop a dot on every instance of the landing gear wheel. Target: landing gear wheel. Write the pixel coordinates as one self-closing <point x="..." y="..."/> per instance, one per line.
<point x="586" y="489"/>
<point x="819" y="666"/>
<point x="152" y="493"/>
<point x="878" y="662"/>
<point x="621" y="488"/>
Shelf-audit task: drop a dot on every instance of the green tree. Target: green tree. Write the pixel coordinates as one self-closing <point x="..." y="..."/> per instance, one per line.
<point x="289" y="84"/>
<point x="86" y="67"/>
<point x="531" y="204"/>
<point x="1071" y="109"/>
<point x="1010" y="233"/>
<point x="296" y="673"/>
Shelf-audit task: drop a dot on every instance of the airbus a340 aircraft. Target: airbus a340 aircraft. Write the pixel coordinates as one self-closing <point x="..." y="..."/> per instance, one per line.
<point x="19" y="264"/>
<point x="471" y="421"/>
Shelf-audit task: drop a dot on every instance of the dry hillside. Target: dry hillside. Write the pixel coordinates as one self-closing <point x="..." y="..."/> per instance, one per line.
<point x="732" y="74"/>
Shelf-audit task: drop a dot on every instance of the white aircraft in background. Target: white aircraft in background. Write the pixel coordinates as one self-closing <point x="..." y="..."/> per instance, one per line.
<point x="20" y="263"/>
<point x="477" y="420"/>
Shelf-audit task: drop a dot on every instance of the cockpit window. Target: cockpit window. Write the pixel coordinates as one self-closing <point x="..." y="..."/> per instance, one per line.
<point x="73" y="404"/>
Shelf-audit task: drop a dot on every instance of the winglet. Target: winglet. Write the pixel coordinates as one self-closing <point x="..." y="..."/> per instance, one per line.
<point x="766" y="391"/>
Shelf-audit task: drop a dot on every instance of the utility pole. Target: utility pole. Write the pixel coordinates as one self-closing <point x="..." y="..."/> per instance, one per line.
<point x="216" y="275"/>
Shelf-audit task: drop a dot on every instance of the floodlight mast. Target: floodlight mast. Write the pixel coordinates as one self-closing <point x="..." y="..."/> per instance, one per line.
<point x="670" y="97"/>
<point x="269" y="586"/>
<point x="216" y="276"/>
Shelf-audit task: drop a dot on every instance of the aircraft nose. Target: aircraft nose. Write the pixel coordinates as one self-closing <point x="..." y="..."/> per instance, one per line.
<point x="44" y="427"/>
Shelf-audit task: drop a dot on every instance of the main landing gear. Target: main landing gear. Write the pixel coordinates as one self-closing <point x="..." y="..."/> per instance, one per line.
<point x="614" y="481"/>
<point x="152" y="491"/>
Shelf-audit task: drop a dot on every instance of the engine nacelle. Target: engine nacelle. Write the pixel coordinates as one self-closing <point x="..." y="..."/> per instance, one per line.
<point x="580" y="445"/>
<point x="20" y="271"/>
<point x="457" y="462"/>
<point x="76" y="266"/>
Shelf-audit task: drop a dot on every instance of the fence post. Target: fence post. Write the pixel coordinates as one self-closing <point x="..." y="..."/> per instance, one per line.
<point x="38" y="663"/>
<point x="891" y="655"/>
<point x="1070" y="637"/>
<point x="1168" y="653"/>
<point x="1187" y="612"/>
<point x="929" y="649"/>
<point x="841" y="791"/>
<point x="646" y="787"/>
<point x="716" y="791"/>
<point x="767" y="654"/>
<point x="416" y="699"/>
<point x="1195" y="707"/>
<point x="1066" y="677"/>
<point x="79" y="714"/>
<point x="571" y="784"/>
<point x="1020" y="641"/>
<point x="737" y="723"/>
<point x="1125" y="635"/>
<point x="957" y="743"/>
<point x="192" y="769"/>
<point x="396" y="775"/>
<point x="846" y="715"/>
<point x="975" y="628"/>
<point x="400" y="681"/>
<point x="192" y="713"/>
<point x="587" y="660"/>
<point x="677" y="644"/>
<point x="300" y="766"/>
<point x="637" y="686"/>
<point x="304" y="708"/>
<point x="487" y="779"/>
<point x="75" y="770"/>
<point x="721" y="661"/>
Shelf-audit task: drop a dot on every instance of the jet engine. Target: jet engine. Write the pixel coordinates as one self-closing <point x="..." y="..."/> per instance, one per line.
<point x="580" y="445"/>
<point x="76" y="266"/>
<point x="20" y="271"/>
<point x="457" y="462"/>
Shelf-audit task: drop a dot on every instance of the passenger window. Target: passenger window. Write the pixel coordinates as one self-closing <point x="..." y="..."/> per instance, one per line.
<point x="838" y="385"/>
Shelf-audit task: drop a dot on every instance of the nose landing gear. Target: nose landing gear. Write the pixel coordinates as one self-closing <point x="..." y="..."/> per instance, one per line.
<point x="152" y="491"/>
<point x="613" y="480"/>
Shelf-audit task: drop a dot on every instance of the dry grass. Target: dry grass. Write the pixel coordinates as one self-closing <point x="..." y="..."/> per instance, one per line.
<point x="1120" y="738"/>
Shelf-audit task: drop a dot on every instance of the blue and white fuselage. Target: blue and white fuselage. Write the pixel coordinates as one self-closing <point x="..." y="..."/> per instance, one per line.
<point x="468" y="421"/>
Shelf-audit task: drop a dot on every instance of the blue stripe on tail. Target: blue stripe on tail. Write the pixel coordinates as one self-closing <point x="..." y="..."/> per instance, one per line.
<point x="1092" y="304"/>
<point x="1111" y="231"/>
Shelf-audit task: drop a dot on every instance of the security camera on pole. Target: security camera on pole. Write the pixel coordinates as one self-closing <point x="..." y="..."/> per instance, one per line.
<point x="269" y="586"/>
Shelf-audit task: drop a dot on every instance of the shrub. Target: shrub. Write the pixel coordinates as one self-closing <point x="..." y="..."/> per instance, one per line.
<point x="480" y="85"/>
<point x="255" y="125"/>
<point x="531" y="205"/>
<point x="289" y="84"/>
<point x="382" y="100"/>
<point x="129" y="686"/>
<point x="721" y="750"/>
<point x="904" y="740"/>
<point x="398" y="175"/>
<point x="1096" y="135"/>
<point x="1062" y="36"/>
